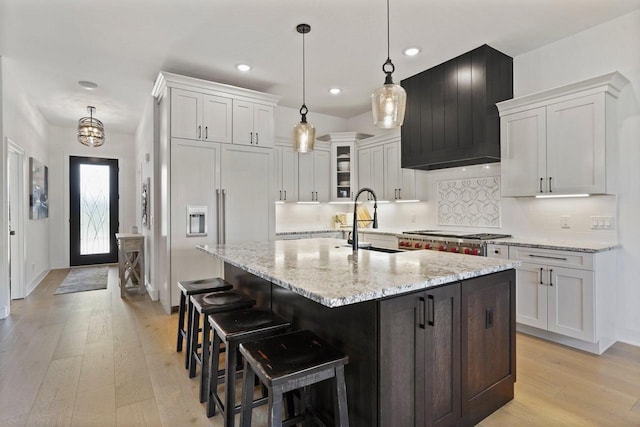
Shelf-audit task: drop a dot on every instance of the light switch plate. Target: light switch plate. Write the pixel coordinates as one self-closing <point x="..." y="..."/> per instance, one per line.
<point x="564" y="221"/>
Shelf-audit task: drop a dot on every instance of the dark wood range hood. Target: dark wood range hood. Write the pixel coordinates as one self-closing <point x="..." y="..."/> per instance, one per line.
<point x="451" y="117"/>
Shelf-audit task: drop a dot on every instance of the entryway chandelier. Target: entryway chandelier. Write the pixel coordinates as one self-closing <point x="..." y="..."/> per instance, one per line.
<point x="90" y="130"/>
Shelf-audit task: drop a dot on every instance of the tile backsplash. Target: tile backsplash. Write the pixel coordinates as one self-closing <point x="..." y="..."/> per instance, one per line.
<point x="470" y="202"/>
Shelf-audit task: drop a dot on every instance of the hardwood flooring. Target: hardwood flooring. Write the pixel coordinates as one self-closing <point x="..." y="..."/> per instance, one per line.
<point x="94" y="359"/>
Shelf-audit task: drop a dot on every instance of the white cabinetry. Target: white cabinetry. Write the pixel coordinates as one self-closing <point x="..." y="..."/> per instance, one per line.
<point x="561" y="141"/>
<point x="252" y="124"/>
<point x="198" y="116"/>
<point x="566" y="296"/>
<point x="313" y="175"/>
<point x="198" y="167"/>
<point x="379" y="168"/>
<point x="344" y="165"/>
<point x="286" y="173"/>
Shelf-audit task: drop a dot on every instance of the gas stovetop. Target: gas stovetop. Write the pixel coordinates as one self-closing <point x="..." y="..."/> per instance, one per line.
<point x="458" y="234"/>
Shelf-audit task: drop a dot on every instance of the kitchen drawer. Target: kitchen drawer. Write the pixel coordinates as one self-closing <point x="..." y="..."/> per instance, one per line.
<point x="581" y="260"/>
<point x="497" y="251"/>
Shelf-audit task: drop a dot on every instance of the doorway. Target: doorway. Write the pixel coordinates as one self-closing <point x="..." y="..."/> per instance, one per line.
<point x="93" y="210"/>
<point x="17" y="199"/>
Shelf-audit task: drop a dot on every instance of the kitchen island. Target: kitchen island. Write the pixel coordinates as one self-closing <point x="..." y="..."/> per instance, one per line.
<point x="430" y="335"/>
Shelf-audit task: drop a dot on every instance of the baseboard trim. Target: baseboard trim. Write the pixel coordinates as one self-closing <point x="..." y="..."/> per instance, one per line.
<point x="153" y="293"/>
<point x="4" y="312"/>
<point x="596" y="348"/>
<point x="35" y="282"/>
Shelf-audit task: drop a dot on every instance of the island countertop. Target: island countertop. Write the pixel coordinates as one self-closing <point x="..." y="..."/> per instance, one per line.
<point x="326" y="271"/>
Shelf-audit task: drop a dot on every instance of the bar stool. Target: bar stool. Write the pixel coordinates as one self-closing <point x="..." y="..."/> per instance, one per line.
<point x="203" y="306"/>
<point x="188" y="288"/>
<point x="233" y="329"/>
<point x="288" y="362"/>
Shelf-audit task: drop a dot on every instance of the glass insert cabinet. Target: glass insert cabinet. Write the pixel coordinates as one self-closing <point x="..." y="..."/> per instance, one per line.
<point x="343" y="164"/>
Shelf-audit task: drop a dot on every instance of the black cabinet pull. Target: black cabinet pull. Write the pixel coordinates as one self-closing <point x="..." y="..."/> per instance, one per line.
<point x="285" y="194"/>
<point x="251" y="137"/>
<point x="399" y="193"/>
<point x="280" y="194"/>
<point x="541" y="276"/>
<point x="199" y="132"/>
<point x="432" y="309"/>
<point x="256" y="138"/>
<point x="551" y="277"/>
<point x="206" y="132"/>
<point x="541" y="185"/>
<point x="550" y="190"/>
<point x="488" y="321"/>
<point x="548" y="257"/>
<point x="421" y="315"/>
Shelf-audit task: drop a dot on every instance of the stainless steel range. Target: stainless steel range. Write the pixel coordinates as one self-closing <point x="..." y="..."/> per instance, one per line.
<point x="447" y="241"/>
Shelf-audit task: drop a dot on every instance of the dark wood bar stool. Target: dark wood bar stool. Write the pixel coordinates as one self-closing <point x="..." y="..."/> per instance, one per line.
<point x="188" y="288"/>
<point x="288" y="362"/>
<point x="233" y="329"/>
<point x="203" y="306"/>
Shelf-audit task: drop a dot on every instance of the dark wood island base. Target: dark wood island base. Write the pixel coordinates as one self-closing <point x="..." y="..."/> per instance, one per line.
<point x="441" y="356"/>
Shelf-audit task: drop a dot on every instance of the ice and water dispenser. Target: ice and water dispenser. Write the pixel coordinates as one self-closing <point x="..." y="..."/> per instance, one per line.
<point x="196" y="221"/>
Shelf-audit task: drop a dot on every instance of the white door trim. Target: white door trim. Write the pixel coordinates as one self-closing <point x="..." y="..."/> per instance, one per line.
<point x="17" y="184"/>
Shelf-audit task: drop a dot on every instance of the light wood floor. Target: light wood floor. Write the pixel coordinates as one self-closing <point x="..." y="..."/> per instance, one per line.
<point x="94" y="359"/>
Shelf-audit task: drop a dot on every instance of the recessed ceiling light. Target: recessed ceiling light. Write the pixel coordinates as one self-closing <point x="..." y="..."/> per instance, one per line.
<point x="335" y="90"/>
<point x="412" y="51"/>
<point x="243" y="67"/>
<point x="88" y="85"/>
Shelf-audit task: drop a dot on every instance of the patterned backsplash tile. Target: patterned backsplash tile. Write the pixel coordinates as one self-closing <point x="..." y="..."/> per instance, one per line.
<point x="471" y="202"/>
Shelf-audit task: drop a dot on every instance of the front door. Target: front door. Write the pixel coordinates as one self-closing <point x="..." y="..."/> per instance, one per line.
<point x="93" y="197"/>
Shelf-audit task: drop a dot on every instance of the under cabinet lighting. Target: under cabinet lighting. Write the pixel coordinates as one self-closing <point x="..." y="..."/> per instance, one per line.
<point x="557" y="196"/>
<point x="407" y="201"/>
<point x="279" y="202"/>
<point x="308" y="203"/>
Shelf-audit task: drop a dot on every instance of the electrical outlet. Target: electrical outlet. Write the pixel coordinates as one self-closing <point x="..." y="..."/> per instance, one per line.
<point x="564" y="221"/>
<point x="602" y="222"/>
<point x="594" y="222"/>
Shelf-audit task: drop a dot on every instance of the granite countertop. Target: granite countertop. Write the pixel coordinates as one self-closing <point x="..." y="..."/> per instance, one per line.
<point x="291" y="233"/>
<point x="326" y="271"/>
<point x="557" y="244"/>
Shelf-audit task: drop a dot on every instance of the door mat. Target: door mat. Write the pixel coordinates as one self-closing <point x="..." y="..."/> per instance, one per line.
<point x="84" y="279"/>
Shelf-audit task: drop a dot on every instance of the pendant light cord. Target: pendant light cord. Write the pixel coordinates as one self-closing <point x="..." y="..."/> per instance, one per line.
<point x="303" y="73"/>
<point x="388" y="38"/>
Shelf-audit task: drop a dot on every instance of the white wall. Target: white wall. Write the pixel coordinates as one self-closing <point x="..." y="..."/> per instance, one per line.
<point x="64" y="143"/>
<point x="144" y="169"/>
<point x="614" y="45"/>
<point x="25" y="126"/>
<point x="4" y="221"/>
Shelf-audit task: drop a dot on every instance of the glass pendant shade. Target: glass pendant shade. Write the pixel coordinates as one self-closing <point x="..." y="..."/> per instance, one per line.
<point x="90" y="130"/>
<point x="304" y="135"/>
<point x="388" y="103"/>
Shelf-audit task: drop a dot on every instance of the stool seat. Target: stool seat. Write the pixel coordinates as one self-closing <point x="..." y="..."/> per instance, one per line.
<point x="188" y="288"/>
<point x="204" y="305"/>
<point x="288" y="362"/>
<point x="216" y="302"/>
<point x="233" y="328"/>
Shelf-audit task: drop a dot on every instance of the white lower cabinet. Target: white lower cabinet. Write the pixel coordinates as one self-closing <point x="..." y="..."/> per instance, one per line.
<point x="566" y="296"/>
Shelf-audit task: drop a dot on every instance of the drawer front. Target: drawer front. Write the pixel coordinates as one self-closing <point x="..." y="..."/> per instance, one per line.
<point x="497" y="251"/>
<point x="581" y="260"/>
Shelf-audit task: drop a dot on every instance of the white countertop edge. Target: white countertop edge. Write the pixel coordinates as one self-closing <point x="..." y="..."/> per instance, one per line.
<point x="562" y="245"/>
<point x="367" y="296"/>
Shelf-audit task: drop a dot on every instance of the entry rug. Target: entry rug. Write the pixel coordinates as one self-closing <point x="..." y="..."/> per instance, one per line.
<point x="84" y="279"/>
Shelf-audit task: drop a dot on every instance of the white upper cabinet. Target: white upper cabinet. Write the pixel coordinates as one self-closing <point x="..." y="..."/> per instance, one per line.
<point x="561" y="141"/>
<point x="379" y="168"/>
<point x="313" y="175"/>
<point x="286" y="173"/>
<point x="198" y="116"/>
<point x="252" y="124"/>
<point x="209" y="111"/>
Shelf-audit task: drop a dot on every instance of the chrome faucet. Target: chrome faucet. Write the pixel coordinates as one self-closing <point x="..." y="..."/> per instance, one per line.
<point x="354" y="232"/>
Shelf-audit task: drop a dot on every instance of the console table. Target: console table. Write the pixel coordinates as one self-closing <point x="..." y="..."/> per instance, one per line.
<point x="131" y="262"/>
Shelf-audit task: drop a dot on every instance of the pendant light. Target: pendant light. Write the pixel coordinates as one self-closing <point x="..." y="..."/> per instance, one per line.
<point x="388" y="102"/>
<point x="304" y="134"/>
<point x="90" y="130"/>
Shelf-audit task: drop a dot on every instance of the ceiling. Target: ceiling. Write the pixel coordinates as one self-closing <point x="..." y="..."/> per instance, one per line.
<point x="122" y="45"/>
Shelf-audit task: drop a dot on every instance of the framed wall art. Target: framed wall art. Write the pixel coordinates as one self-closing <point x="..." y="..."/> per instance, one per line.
<point x="39" y="191"/>
<point x="146" y="184"/>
